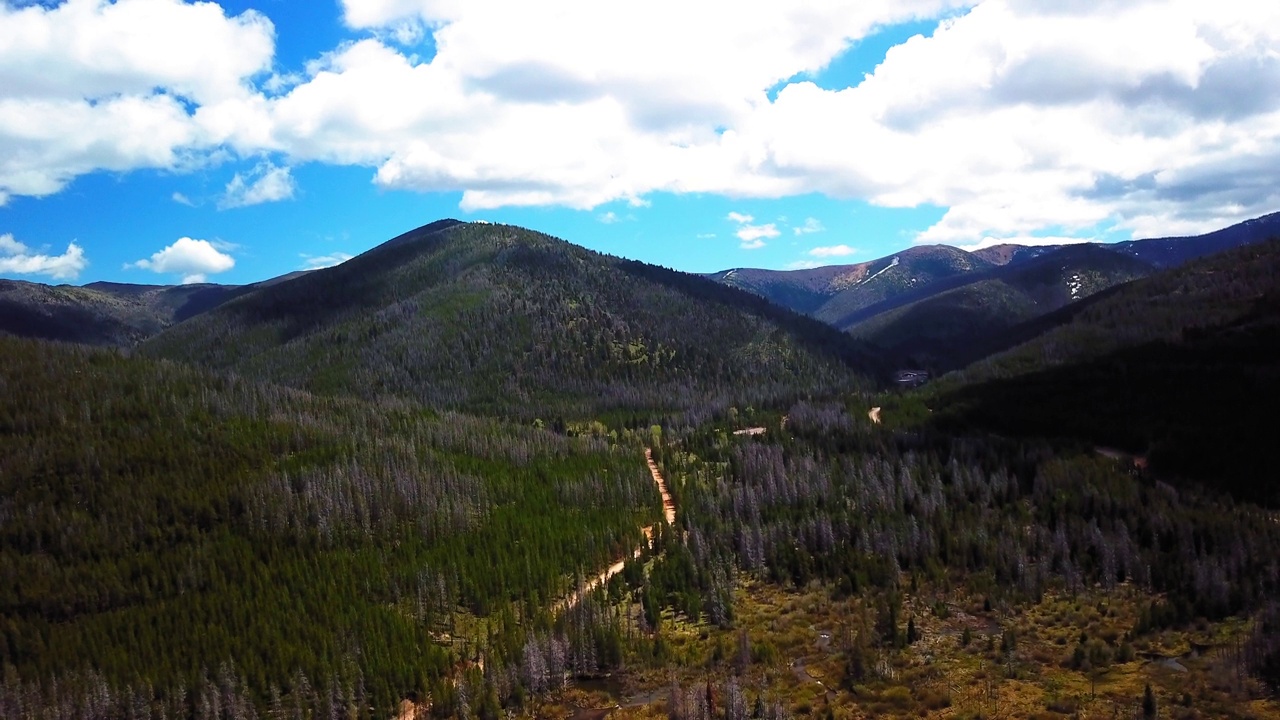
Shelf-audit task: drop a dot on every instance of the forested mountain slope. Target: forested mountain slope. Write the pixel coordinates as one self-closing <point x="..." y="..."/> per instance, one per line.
<point x="1174" y="251"/>
<point x="1209" y="292"/>
<point x="1183" y="367"/>
<point x="102" y="313"/>
<point x="801" y="290"/>
<point x="908" y="271"/>
<point x="171" y="538"/>
<point x="504" y="320"/>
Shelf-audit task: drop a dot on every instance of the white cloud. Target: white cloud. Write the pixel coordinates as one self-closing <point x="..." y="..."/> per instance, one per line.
<point x="10" y="246"/>
<point x="265" y="183"/>
<point x="833" y="251"/>
<point x="91" y="85"/>
<point x="804" y="264"/>
<point x="810" y="226"/>
<point x="705" y="236"/>
<point x="609" y="218"/>
<point x="1027" y="240"/>
<point x="183" y="199"/>
<point x="194" y="259"/>
<point x="18" y="259"/>
<point x="317" y="262"/>
<point x="751" y="233"/>
<point x="1019" y="118"/>
<point x="752" y="236"/>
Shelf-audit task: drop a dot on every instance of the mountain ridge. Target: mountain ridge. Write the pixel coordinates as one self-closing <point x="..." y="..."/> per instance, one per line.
<point x="495" y="318"/>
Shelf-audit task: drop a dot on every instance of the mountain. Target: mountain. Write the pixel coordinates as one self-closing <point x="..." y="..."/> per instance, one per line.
<point x="1174" y="251"/>
<point x="1182" y="367"/>
<point x="1007" y="253"/>
<point x="105" y="313"/>
<point x="908" y="271"/>
<point x="846" y="296"/>
<point x="499" y="319"/>
<point x="950" y="328"/>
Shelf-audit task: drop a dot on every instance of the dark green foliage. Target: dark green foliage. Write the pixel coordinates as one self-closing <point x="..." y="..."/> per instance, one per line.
<point x="1262" y="651"/>
<point x="102" y="313"/>
<point x="158" y="522"/>
<point x="1149" y="709"/>
<point x="502" y="320"/>
<point x="1211" y="292"/>
<point x="834" y="498"/>
<point x="1199" y="405"/>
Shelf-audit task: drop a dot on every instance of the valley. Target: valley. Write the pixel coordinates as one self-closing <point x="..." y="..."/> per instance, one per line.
<point x="482" y="472"/>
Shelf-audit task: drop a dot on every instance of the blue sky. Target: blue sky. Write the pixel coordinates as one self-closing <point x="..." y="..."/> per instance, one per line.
<point x="163" y="142"/>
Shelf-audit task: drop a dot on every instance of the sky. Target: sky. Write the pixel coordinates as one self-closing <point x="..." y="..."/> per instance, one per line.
<point x="160" y="141"/>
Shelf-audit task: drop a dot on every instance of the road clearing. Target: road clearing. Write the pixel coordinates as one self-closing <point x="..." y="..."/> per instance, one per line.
<point x="668" y="514"/>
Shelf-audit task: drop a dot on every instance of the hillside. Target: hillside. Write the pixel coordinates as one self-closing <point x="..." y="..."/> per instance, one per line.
<point x="1209" y="292"/>
<point x="942" y="307"/>
<point x="1172" y="252"/>
<point x="891" y="277"/>
<point x="164" y="530"/>
<point x="801" y="290"/>
<point x="503" y="320"/>
<point x="1180" y="367"/>
<point x="105" y="313"/>
<point x="949" y="329"/>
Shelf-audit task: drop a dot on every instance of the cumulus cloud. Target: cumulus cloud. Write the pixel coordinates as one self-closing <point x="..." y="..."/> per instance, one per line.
<point x="1028" y="240"/>
<point x="752" y="236"/>
<point x="19" y="259"/>
<point x="318" y="262"/>
<point x="265" y="183"/>
<point x="810" y="226"/>
<point x="804" y="264"/>
<point x="1019" y="118"/>
<point x="193" y="259"/>
<point x="752" y="233"/>
<point x="91" y="85"/>
<point x="833" y="251"/>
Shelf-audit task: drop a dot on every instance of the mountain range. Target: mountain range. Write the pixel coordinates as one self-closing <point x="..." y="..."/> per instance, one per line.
<point x="942" y="307"/>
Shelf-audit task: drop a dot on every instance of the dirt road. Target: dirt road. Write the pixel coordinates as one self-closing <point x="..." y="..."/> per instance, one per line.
<point x="874" y="414"/>
<point x="668" y="513"/>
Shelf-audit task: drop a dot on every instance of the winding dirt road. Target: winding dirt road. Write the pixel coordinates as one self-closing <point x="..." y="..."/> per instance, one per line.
<point x="668" y="513"/>
<point x="874" y="414"/>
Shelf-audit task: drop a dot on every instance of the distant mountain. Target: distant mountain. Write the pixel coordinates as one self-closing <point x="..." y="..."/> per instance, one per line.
<point x="500" y="319"/>
<point x="942" y="306"/>
<point x="102" y="313"/>
<point x="801" y="290"/>
<point x="1174" y="251"/>
<point x="906" y="272"/>
<point x="1208" y="292"/>
<point x="1182" y="366"/>
<point x="1008" y="254"/>
<point x="949" y="329"/>
<point x="107" y="313"/>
